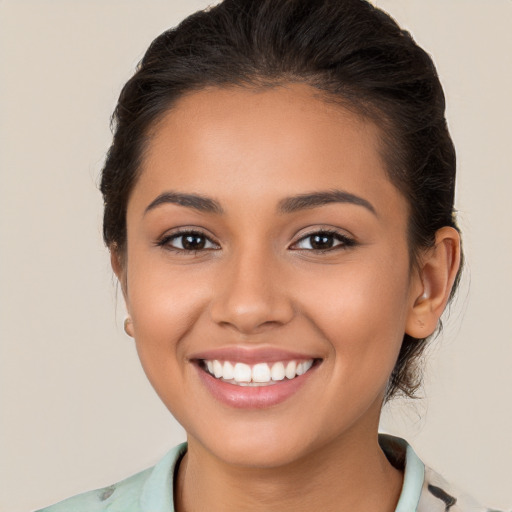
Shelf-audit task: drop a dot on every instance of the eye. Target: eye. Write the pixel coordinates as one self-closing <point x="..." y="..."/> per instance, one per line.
<point x="324" y="240"/>
<point x="188" y="241"/>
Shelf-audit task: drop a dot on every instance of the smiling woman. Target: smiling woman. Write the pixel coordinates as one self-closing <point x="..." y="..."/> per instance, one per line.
<point x="254" y="286"/>
<point x="279" y="212"/>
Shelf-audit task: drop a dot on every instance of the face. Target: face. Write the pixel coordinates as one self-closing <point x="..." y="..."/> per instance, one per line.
<point x="267" y="272"/>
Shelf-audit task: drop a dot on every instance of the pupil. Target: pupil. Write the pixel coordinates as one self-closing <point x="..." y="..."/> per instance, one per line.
<point x="193" y="242"/>
<point x="321" y="241"/>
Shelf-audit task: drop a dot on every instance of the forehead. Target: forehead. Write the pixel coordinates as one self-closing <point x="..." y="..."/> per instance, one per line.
<point x="287" y="119"/>
<point x="265" y="142"/>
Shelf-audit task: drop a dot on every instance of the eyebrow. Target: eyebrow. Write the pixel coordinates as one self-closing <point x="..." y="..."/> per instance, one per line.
<point x="286" y="205"/>
<point x="195" y="201"/>
<point x="316" y="199"/>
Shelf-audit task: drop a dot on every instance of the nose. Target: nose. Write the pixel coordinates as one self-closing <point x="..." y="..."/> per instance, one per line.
<point x="251" y="294"/>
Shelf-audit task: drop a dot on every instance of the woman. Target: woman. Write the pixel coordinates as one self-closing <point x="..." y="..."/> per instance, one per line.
<point x="279" y="212"/>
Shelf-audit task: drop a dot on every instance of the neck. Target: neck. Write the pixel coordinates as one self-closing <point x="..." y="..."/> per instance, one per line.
<point x="350" y="473"/>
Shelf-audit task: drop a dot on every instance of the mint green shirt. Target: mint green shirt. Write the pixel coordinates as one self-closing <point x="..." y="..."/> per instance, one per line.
<point x="151" y="490"/>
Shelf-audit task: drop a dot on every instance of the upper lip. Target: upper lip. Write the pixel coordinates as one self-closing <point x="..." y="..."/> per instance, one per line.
<point x="251" y="355"/>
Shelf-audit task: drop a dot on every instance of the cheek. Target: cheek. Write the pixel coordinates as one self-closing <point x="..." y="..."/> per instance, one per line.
<point x="164" y="304"/>
<point x="162" y="295"/>
<point x="363" y="298"/>
<point x="362" y="316"/>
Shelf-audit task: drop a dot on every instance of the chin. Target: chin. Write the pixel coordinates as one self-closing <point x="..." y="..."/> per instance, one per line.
<point x="259" y="444"/>
<point x="262" y="454"/>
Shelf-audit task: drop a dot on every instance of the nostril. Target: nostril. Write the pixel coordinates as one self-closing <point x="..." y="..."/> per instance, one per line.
<point x="253" y="298"/>
<point x="250" y="318"/>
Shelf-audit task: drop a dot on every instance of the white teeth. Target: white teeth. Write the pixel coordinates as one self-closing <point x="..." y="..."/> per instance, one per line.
<point x="242" y="373"/>
<point x="291" y="369"/>
<point x="228" y="371"/>
<point x="307" y="365"/>
<point x="217" y="369"/>
<point x="277" y="372"/>
<point x="261" y="373"/>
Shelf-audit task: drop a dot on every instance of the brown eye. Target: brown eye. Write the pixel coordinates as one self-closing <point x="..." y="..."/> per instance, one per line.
<point x="324" y="241"/>
<point x="320" y="242"/>
<point x="193" y="242"/>
<point x="188" y="241"/>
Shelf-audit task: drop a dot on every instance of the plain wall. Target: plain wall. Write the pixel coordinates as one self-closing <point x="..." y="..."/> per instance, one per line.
<point x="76" y="411"/>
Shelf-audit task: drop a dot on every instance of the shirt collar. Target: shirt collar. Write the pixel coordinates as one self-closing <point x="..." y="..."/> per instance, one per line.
<point x="157" y="494"/>
<point x="402" y="456"/>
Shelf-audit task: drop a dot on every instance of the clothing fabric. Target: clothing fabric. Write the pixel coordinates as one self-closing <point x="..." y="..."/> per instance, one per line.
<point x="151" y="490"/>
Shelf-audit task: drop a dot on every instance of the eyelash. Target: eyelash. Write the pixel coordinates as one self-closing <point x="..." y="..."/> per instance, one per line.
<point x="166" y="241"/>
<point x="346" y="242"/>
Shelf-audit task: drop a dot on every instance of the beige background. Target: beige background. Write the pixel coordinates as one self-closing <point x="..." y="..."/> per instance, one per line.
<point x="76" y="410"/>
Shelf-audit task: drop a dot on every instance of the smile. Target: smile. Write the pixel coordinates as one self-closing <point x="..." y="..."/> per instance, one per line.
<point x="254" y="378"/>
<point x="260" y="374"/>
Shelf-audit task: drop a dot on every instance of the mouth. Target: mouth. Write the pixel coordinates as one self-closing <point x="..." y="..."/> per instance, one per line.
<point x="248" y="379"/>
<point x="256" y="375"/>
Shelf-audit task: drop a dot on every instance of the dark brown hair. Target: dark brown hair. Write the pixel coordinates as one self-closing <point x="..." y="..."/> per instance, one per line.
<point x="351" y="51"/>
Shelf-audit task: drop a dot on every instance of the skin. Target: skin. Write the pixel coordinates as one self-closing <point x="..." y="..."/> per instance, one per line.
<point x="259" y="283"/>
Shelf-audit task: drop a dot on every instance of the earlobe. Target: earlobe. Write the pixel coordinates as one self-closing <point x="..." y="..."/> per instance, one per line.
<point x="436" y="275"/>
<point x="128" y="327"/>
<point x="119" y="268"/>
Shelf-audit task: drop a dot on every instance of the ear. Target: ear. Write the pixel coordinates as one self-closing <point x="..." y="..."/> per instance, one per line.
<point x="436" y="274"/>
<point x="118" y="263"/>
<point x="118" y="266"/>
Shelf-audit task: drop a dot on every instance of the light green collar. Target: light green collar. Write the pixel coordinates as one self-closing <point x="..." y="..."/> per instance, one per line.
<point x="157" y="494"/>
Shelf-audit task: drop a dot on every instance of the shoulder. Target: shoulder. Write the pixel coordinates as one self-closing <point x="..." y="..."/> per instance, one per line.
<point x="149" y="490"/>
<point x="437" y="493"/>
<point x="124" y="494"/>
<point x="423" y="489"/>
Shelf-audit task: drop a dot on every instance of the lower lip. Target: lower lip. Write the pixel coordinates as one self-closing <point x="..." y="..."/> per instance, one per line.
<point x="253" y="397"/>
